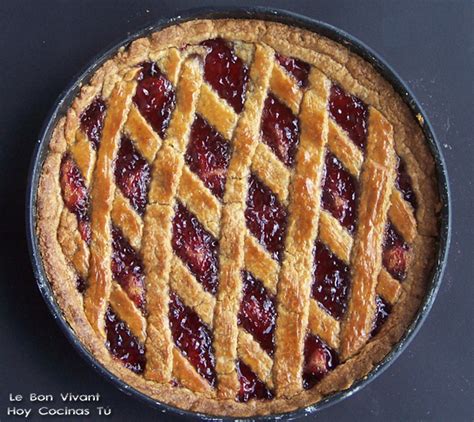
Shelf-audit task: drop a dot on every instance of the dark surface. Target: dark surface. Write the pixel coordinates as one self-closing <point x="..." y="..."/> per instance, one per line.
<point x="429" y="43"/>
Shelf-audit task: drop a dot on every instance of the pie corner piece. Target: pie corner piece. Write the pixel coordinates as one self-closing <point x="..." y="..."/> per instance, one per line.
<point x="238" y="217"/>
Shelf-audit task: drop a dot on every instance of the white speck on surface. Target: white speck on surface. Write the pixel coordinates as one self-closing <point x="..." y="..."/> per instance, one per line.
<point x="448" y="124"/>
<point x="447" y="146"/>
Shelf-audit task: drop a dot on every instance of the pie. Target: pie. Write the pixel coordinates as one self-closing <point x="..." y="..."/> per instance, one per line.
<point x="238" y="217"/>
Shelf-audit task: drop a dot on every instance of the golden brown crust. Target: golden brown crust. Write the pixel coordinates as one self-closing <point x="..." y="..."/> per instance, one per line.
<point x="157" y="251"/>
<point x="305" y="200"/>
<point x="233" y="226"/>
<point x="62" y="264"/>
<point x="377" y="179"/>
<point x="103" y="190"/>
<point x="157" y="262"/>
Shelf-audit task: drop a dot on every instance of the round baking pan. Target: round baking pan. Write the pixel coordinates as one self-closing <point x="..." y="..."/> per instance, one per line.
<point x="287" y="18"/>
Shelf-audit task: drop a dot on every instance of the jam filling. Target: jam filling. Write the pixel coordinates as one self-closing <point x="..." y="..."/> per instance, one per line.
<point x="81" y="284"/>
<point x="208" y="155"/>
<point x="75" y="195"/>
<point x="127" y="268"/>
<point x="350" y="113"/>
<point x="266" y="217"/>
<point x="331" y="279"/>
<point x="175" y="383"/>
<point x="155" y="97"/>
<point x="404" y="184"/>
<point x="382" y="311"/>
<point x="319" y="359"/>
<point x="92" y="121"/>
<point x="258" y="312"/>
<point x="132" y="175"/>
<point x="395" y="253"/>
<point x="226" y="72"/>
<point x="296" y="68"/>
<point x="193" y="338"/>
<point x="251" y="387"/>
<point x="339" y="193"/>
<point x="196" y="247"/>
<point x="280" y="130"/>
<point x="123" y="344"/>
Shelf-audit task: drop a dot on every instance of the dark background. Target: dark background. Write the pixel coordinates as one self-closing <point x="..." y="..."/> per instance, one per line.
<point x="43" y="45"/>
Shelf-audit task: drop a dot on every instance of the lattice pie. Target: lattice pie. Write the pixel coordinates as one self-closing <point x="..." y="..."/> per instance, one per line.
<point x="238" y="217"/>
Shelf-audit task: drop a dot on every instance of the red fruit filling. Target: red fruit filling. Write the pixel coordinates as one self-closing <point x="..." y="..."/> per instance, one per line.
<point x="395" y="253"/>
<point x="266" y="217"/>
<point x="296" y="68"/>
<point x="123" y="344"/>
<point x="280" y="130"/>
<point x="196" y="247"/>
<point x="132" y="175"/>
<point x="251" y="387"/>
<point x="208" y="155"/>
<point x="350" y="113"/>
<point x="92" y="121"/>
<point x="339" y="193"/>
<point x="81" y="284"/>
<point x="319" y="359"/>
<point x="127" y="268"/>
<point x="175" y="383"/>
<point x="382" y="312"/>
<point x="404" y="185"/>
<point x="226" y="72"/>
<point x="331" y="279"/>
<point x="75" y="195"/>
<point x="155" y="97"/>
<point x="193" y="338"/>
<point x="257" y="312"/>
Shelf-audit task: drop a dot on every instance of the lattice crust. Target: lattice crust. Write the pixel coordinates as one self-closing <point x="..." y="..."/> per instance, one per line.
<point x="141" y="193"/>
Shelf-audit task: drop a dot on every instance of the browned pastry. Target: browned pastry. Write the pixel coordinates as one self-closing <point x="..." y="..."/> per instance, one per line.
<point x="238" y="217"/>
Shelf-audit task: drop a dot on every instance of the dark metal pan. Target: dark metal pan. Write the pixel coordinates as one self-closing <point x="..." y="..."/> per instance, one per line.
<point x="262" y="13"/>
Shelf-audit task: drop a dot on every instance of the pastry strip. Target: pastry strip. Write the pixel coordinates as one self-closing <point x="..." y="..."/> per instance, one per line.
<point x="127" y="220"/>
<point x="294" y="284"/>
<point x="255" y="357"/>
<point x="72" y="244"/>
<point x="402" y="216"/>
<point x="84" y="155"/>
<point x="185" y="373"/>
<point x="146" y="140"/>
<point x="377" y="170"/>
<point x="401" y="213"/>
<point x="127" y="311"/>
<point x="344" y="149"/>
<point x="171" y="65"/>
<point x="156" y="254"/>
<point x="191" y="291"/>
<point x="285" y="88"/>
<point x="157" y="232"/>
<point x="323" y="325"/>
<point x="103" y="189"/>
<point x="388" y="287"/>
<point x="259" y="262"/>
<point x="336" y="237"/>
<point x="200" y="201"/>
<point x="220" y="115"/>
<point x="271" y="171"/>
<point x="233" y="227"/>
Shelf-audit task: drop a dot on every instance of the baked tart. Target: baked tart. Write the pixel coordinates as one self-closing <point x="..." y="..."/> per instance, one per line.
<point x="238" y="217"/>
